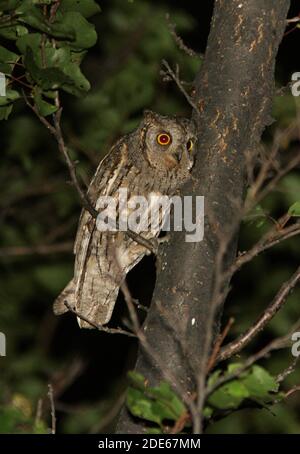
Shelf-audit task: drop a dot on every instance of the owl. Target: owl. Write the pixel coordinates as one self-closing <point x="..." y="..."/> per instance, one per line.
<point x="156" y="158"/>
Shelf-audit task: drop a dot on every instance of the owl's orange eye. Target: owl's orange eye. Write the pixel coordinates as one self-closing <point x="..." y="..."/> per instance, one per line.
<point x="163" y="139"/>
<point x="189" y="145"/>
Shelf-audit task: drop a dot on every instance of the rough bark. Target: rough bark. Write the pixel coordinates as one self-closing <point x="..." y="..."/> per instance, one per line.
<point x="234" y="90"/>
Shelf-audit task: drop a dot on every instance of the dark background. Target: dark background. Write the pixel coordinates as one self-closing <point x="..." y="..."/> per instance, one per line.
<point x="38" y="207"/>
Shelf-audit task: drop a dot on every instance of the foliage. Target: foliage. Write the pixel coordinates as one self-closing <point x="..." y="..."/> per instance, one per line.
<point x="49" y="45"/>
<point x="253" y="387"/>
<point x="157" y="404"/>
<point x="17" y="418"/>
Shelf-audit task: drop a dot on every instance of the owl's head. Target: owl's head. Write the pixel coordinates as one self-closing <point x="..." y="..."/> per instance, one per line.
<point x="168" y="143"/>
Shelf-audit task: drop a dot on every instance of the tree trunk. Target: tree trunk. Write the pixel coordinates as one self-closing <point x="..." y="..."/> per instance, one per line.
<point x="234" y="90"/>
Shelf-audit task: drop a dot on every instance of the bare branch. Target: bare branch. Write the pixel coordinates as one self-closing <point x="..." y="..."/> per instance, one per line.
<point x="277" y="344"/>
<point x="169" y="73"/>
<point x="178" y="40"/>
<point x="237" y="345"/>
<point x="289" y="370"/>
<point x="40" y="249"/>
<point x="52" y="407"/>
<point x="105" y="329"/>
<point x="217" y="347"/>
<point x="271" y="238"/>
<point x="292" y="391"/>
<point x="63" y="149"/>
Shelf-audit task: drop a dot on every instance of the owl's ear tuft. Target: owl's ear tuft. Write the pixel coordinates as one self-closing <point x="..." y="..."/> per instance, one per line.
<point x="149" y="116"/>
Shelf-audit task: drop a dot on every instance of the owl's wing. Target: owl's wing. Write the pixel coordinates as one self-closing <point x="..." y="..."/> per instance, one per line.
<point x="102" y="259"/>
<point x="109" y="257"/>
<point x="108" y="172"/>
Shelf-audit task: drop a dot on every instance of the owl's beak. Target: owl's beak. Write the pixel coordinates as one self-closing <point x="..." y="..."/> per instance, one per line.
<point x="178" y="155"/>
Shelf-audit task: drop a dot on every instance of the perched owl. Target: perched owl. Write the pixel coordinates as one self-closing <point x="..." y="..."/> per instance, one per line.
<point x="156" y="158"/>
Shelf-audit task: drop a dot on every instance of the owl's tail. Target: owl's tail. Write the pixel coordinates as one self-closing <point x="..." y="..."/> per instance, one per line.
<point x="66" y="296"/>
<point x="97" y="296"/>
<point x="95" y="302"/>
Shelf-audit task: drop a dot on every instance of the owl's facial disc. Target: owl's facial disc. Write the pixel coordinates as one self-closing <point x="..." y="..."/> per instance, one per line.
<point x="180" y="151"/>
<point x="168" y="143"/>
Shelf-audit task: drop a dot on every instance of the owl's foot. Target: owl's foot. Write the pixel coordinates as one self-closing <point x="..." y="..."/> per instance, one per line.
<point x="164" y="239"/>
<point x="157" y="241"/>
<point x="151" y="245"/>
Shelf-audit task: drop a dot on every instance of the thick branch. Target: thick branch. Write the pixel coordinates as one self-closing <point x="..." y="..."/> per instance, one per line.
<point x="234" y="91"/>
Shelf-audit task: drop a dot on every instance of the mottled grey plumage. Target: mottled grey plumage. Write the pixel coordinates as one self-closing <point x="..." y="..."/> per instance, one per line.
<point x="141" y="164"/>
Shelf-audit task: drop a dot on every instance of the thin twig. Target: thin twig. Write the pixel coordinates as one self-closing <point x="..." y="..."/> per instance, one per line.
<point x="151" y="245"/>
<point x="271" y="185"/>
<point x="39" y="409"/>
<point x="237" y="345"/>
<point x="105" y="329"/>
<point x="291" y="391"/>
<point x="270" y="239"/>
<point x="178" y="40"/>
<point x="63" y="149"/>
<point x="217" y="346"/>
<point x="168" y="72"/>
<point x="293" y="19"/>
<point x="288" y="371"/>
<point x="40" y="249"/>
<point x="279" y="343"/>
<point x="52" y="406"/>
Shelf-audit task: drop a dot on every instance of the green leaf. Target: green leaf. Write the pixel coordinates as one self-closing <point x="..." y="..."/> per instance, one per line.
<point x="154" y="430"/>
<point x="46" y="78"/>
<point x="258" y="216"/>
<point x="230" y="395"/>
<point x="83" y="33"/>
<point x="7" y="56"/>
<point x="207" y="412"/>
<point x="71" y="26"/>
<point x="213" y="377"/>
<point x="166" y="395"/>
<point x="11" y="96"/>
<point x="294" y="209"/>
<point x="137" y="380"/>
<point x="153" y="404"/>
<point x="143" y="407"/>
<point x="44" y="107"/>
<point x="30" y="14"/>
<point x="13" y="32"/>
<point x="233" y="367"/>
<point x="87" y="8"/>
<point x="33" y="41"/>
<point x="62" y="69"/>
<point x="260" y="383"/>
<point x="256" y="384"/>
